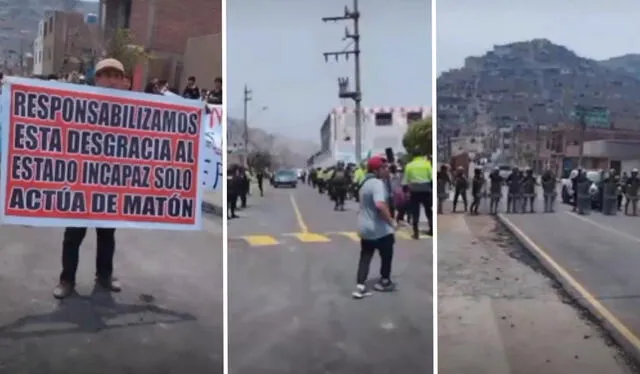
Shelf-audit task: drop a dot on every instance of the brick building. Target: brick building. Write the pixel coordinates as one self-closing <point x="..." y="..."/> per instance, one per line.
<point x="164" y="28"/>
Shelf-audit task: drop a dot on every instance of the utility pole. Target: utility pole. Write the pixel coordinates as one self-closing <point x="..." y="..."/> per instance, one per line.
<point x="247" y="97"/>
<point x="538" y="168"/>
<point x="583" y="129"/>
<point x="343" y="83"/>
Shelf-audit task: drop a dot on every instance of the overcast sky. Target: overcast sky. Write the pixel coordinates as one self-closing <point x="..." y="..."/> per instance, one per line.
<point x="276" y="48"/>
<point x="593" y="29"/>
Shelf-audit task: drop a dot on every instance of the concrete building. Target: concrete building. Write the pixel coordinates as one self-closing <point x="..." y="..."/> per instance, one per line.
<point x="38" y="49"/>
<point x="165" y="27"/>
<point x="381" y="128"/>
<point x="68" y="43"/>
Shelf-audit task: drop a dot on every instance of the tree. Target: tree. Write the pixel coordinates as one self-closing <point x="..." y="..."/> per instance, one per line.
<point x="259" y="160"/>
<point x="417" y="139"/>
<point x="122" y="47"/>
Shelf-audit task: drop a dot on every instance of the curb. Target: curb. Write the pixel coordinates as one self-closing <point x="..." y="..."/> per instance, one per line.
<point x="616" y="330"/>
<point x="209" y="208"/>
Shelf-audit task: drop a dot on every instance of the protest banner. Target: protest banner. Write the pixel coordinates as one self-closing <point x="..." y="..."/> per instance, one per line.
<point x="212" y="168"/>
<point x="76" y="155"/>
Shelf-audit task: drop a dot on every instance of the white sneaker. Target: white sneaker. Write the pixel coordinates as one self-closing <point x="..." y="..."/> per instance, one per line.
<point x="361" y="292"/>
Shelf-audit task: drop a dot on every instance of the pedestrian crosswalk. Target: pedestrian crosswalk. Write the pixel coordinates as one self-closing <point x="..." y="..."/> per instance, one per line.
<point x="267" y="240"/>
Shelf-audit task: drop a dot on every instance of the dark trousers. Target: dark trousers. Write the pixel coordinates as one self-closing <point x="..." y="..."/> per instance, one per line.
<point x="418" y="200"/>
<point x="459" y="193"/>
<point x="232" y="203"/>
<point x="243" y="200"/>
<point x="73" y="237"/>
<point x="260" y="187"/>
<point x="384" y="246"/>
<point x="339" y="196"/>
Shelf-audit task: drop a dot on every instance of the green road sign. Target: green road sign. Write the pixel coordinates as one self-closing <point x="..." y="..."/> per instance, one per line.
<point x="593" y="116"/>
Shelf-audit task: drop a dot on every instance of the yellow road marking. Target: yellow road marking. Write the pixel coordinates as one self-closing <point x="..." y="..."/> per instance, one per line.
<point x="309" y="237"/>
<point x="403" y="235"/>
<point x="296" y="210"/>
<point x="351" y="235"/>
<point x="591" y="299"/>
<point x="261" y="240"/>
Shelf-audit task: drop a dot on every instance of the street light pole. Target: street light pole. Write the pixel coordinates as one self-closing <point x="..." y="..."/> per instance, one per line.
<point x="343" y="83"/>
<point x="247" y="97"/>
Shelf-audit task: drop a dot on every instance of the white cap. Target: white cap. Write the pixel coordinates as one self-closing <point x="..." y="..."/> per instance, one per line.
<point x="109" y="63"/>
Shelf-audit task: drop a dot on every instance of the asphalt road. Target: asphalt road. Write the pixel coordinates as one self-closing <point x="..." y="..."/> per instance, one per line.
<point x="292" y="264"/>
<point x="595" y="256"/>
<point x="167" y="319"/>
<point x="498" y="313"/>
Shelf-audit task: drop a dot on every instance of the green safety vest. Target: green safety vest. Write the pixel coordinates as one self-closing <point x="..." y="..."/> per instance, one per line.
<point x="418" y="175"/>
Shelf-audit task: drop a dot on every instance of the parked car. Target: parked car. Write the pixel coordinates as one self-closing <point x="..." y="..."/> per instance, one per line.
<point x="285" y="178"/>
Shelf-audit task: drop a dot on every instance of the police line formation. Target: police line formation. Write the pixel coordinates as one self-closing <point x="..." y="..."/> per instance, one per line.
<point x="585" y="190"/>
<point x="409" y="186"/>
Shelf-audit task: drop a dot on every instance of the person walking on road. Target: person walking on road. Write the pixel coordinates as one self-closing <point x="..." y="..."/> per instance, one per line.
<point x="109" y="73"/>
<point x="233" y="186"/>
<point x="376" y="228"/>
<point x="260" y="180"/>
<point x="418" y="175"/>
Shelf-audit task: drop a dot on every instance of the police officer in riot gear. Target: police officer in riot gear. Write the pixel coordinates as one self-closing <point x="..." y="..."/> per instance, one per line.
<point x="575" y="178"/>
<point x="460" y="185"/>
<point x="514" y="181"/>
<point x="549" y="190"/>
<point x="495" y="190"/>
<point x="476" y="191"/>
<point x="339" y="183"/>
<point x="529" y="191"/>
<point x="443" y="181"/>
<point x="632" y="186"/>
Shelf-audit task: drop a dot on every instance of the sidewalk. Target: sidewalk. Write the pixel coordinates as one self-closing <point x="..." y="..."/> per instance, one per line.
<point x="212" y="202"/>
<point x="499" y="313"/>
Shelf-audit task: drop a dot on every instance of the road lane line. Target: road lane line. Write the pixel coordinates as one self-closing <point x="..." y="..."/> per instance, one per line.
<point x="303" y="226"/>
<point x="620" y="327"/>
<point x="604" y="227"/>
<point x="261" y="240"/>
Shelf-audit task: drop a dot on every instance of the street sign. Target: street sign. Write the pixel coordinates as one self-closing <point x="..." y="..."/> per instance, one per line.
<point x="594" y="117"/>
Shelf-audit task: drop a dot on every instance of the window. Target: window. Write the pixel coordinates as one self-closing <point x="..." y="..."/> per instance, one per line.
<point x="414" y="117"/>
<point x="384" y="119"/>
<point x="51" y="25"/>
<point x="127" y="14"/>
<point x="45" y="28"/>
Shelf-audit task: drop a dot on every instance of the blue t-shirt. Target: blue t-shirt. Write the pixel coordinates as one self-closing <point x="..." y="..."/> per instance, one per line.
<point x="371" y="224"/>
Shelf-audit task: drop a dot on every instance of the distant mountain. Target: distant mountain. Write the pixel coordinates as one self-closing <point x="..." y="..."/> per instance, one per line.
<point x="286" y="151"/>
<point x="536" y="81"/>
<point x="629" y="63"/>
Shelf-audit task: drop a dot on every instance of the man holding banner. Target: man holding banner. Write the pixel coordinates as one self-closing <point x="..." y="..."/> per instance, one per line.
<point x="79" y="156"/>
<point x="109" y="74"/>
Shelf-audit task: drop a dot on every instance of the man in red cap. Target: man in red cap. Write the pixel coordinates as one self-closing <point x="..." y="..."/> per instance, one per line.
<point x="376" y="227"/>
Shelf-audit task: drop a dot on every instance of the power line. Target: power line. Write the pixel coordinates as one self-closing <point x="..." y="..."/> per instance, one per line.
<point x="343" y="83"/>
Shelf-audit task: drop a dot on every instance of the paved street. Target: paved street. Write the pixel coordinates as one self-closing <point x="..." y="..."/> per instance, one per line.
<point x="499" y="313"/>
<point x="596" y="257"/>
<point x="168" y="318"/>
<point x="292" y="264"/>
